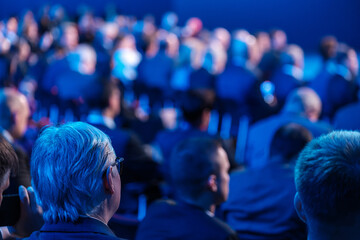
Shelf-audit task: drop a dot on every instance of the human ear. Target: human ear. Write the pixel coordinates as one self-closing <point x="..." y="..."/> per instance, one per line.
<point x="211" y="183"/>
<point x="108" y="181"/>
<point x="299" y="208"/>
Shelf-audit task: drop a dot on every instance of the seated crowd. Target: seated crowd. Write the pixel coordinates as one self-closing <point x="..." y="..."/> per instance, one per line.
<point x="201" y="134"/>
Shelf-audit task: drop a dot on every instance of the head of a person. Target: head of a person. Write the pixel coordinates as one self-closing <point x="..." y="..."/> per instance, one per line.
<point x="294" y="56"/>
<point x="328" y="46"/>
<point x="278" y="39"/>
<point x="69" y="38"/>
<point x="14" y="112"/>
<point x="8" y="164"/>
<point x="74" y="173"/>
<point x="305" y="102"/>
<point x="346" y="57"/>
<point x="288" y="142"/>
<point x="110" y="99"/>
<point x="327" y="177"/>
<point x="196" y="107"/>
<point x="83" y="59"/>
<point x="199" y="167"/>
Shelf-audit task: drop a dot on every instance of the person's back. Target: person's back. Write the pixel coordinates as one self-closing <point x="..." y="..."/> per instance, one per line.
<point x="167" y="219"/>
<point x="260" y="203"/>
<point x="347" y="117"/>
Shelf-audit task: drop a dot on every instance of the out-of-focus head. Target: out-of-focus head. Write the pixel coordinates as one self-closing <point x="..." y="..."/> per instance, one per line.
<point x="110" y="99"/>
<point x="296" y="55"/>
<point x="288" y="142"/>
<point x="215" y="58"/>
<point x="69" y="36"/>
<point x="73" y="173"/>
<point x="83" y="59"/>
<point x="305" y="102"/>
<point x="278" y="39"/>
<point x="193" y="27"/>
<point x="200" y="166"/>
<point x="8" y="164"/>
<point x="327" y="177"/>
<point x="263" y="42"/>
<point x="196" y="107"/>
<point x="14" y="112"/>
<point x="169" y="21"/>
<point x="222" y="35"/>
<point x="57" y="14"/>
<point x="12" y="25"/>
<point x="347" y="57"/>
<point x="328" y="46"/>
<point x="244" y="46"/>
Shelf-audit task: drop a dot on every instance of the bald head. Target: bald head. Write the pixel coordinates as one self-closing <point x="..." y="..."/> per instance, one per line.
<point x="14" y="112"/>
<point x="305" y="102"/>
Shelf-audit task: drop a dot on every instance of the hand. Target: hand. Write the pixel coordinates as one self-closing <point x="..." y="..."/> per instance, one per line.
<point x="30" y="214"/>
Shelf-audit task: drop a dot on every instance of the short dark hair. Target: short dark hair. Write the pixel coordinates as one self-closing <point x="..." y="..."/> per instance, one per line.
<point x="8" y="157"/>
<point x="194" y="103"/>
<point x="191" y="163"/>
<point x="327" y="177"/>
<point x="288" y="141"/>
<point x="107" y="88"/>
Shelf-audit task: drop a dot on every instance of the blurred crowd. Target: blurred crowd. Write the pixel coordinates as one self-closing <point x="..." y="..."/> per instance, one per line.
<point x="149" y="86"/>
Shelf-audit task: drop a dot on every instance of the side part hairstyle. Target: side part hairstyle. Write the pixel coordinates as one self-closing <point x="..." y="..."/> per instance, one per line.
<point x="327" y="177"/>
<point x="67" y="166"/>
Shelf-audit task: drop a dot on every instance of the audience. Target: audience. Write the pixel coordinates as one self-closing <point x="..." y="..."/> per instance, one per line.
<point x="327" y="182"/>
<point x="76" y="177"/>
<point x="199" y="172"/>
<point x="56" y="60"/>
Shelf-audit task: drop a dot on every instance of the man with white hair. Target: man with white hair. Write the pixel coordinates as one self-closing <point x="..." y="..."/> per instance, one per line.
<point x="302" y="106"/>
<point x="76" y="176"/>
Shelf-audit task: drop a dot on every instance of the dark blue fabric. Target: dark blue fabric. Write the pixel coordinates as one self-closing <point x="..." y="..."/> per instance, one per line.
<point x="84" y="228"/>
<point x="156" y="72"/>
<point x="284" y="84"/>
<point x="73" y="85"/>
<point x="260" y="204"/>
<point x="235" y="83"/>
<point x="340" y="92"/>
<point x="348" y="117"/>
<point x="53" y="71"/>
<point x="261" y="133"/>
<point x="171" y="220"/>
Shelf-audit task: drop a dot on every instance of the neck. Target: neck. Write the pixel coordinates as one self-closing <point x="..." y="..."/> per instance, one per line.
<point x="101" y="213"/>
<point x="334" y="232"/>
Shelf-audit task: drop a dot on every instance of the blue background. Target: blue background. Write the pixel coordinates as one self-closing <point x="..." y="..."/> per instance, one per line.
<point x="305" y="21"/>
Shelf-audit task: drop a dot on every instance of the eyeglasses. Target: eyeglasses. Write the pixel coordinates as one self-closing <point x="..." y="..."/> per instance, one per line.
<point x="119" y="162"/>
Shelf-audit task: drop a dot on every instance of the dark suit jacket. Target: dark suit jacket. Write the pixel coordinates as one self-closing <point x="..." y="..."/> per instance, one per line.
<point x="171" y="220"/>
<point x="84" y="228"/>
<point x="348" y="117"/>
<point x="261" y="133"/>
<point x="261" y="204"/>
